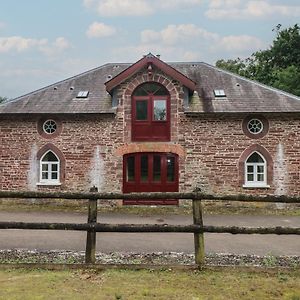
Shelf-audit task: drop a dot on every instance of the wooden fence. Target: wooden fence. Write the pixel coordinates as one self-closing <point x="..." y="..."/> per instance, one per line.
<point x="197" y="228"/>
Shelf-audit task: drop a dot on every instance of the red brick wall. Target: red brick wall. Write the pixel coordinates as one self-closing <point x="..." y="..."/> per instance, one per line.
<point x="209" y="147"/>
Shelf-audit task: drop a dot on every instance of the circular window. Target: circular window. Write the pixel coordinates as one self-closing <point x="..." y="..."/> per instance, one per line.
<point x="255" y="126"/>
<point x="49" y="126"/>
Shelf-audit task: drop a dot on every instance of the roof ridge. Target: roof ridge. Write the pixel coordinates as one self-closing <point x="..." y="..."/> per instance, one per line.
<point x="254" y="81"/>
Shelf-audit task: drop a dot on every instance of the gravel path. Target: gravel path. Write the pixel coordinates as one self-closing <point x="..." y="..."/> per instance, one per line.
<point x="171" y="258"/>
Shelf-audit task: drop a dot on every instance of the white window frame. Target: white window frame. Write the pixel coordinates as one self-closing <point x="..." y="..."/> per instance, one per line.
<point x="255" y="183"/>
<point x="50" y="171"/>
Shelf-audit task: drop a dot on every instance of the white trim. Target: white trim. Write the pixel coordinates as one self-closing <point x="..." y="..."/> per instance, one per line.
<point x="49" y="170"/>
<point x="255" y="183"/>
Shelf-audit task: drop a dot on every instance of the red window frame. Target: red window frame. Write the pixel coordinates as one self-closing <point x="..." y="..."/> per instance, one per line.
<point x="150" y="129"/>
<point x="151" y="185"/>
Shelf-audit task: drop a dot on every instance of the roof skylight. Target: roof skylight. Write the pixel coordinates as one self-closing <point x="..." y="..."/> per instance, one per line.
<point x="82" y="94"/>
<point x="219" y="93"/>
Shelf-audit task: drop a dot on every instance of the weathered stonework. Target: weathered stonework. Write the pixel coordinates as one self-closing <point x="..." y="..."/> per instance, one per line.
<point x="212" y="148"/>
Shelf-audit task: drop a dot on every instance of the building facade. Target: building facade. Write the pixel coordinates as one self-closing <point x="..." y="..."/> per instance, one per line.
<point x="152" y="126"/>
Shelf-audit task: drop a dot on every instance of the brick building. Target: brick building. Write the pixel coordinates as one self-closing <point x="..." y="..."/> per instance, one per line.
<point x="152" y="126"/>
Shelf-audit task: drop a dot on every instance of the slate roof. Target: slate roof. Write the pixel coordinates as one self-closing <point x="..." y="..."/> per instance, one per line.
<point x="242" y="95"/>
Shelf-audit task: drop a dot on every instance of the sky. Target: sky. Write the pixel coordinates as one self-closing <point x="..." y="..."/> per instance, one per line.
<point x="44" y="41"/>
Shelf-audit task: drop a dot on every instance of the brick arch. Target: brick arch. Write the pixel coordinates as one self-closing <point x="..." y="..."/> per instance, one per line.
<point x="59" y="154"/>
<point x="158" y="78"/>
<point x="151" y="147"/>
<point x="244" y="156"/>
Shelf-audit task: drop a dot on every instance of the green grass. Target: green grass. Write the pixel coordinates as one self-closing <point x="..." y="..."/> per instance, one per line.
<point x="146" y="284"/>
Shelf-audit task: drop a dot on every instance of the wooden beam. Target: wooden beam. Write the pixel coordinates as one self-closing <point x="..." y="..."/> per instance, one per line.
<point x="134" y="228"/>
<point x="115" y="196"/>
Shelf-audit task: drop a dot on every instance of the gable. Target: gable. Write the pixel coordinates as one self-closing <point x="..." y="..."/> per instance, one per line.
<point x="149" y="61"/>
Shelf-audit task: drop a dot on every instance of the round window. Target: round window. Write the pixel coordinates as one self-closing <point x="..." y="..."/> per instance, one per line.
<point x="49" y="126"/>
<point x="255" y="126"/>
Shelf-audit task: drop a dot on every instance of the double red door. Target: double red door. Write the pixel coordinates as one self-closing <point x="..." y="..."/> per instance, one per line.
<point x="150" y="172"/>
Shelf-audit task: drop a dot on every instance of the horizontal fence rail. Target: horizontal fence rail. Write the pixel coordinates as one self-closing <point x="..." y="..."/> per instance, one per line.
<point x="198" y="228"/>
<point x="135" y="196"/>
<point x="134" y="228"/>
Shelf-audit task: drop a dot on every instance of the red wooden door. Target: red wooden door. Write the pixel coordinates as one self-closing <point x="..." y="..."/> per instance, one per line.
<point x="150" y="172"/>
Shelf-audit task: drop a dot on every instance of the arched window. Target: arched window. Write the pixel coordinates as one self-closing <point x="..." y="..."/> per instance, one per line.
<point x="150" y="113"/>
<point x="49" y="168"/>
<point x="255" y="171"/>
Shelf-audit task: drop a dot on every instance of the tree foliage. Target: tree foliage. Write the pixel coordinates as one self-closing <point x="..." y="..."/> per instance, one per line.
<point x="278" y="66"/>
<point x="2" y="99"/>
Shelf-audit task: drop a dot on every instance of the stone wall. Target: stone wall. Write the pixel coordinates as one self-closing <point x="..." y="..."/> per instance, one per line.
<point x="210" y="147"/>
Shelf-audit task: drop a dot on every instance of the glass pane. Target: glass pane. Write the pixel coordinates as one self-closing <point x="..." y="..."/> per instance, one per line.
<point x="141" y="110"/>
<point x="44" y="175"/>
<point x="255" y="157"/>
<point x="250" y="177"/>
<point x="44" y="167"/>
<point x="260" y="177"/>
<point x="260" y="169"/>
<point x="54" y="167"/>
<point x="144" y="168"/>
<point x="50" y="156"/>
<point x="54" y="175"/>
<point x="170" y="168"/>
<point x="130" y="168"/>
<point x="160" y="110"/>
<point x="156" y="168"/>
<point x="150" y="88"/>
<point x="250" y="169"/>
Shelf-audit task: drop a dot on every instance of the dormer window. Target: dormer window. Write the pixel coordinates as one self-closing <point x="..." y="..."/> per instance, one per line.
<point x="150" y="113"/>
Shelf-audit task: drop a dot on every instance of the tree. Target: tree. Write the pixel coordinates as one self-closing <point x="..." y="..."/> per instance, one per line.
<point x="2" y="99"/>
<point x="278" y="66"/>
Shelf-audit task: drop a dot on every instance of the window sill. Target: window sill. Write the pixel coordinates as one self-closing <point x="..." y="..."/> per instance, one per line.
<point x="49" y="183"/>
<point x="249" y="186"/>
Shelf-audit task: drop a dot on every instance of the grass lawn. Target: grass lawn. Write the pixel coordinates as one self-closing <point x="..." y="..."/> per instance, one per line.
<point x="229" y="284"/>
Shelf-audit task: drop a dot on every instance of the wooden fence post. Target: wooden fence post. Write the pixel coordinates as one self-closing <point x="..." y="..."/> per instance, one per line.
<point x="198" y="237"/>
<point x="90" y="251"/>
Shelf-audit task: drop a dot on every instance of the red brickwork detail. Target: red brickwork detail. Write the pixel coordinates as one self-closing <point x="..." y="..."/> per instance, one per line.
<point x="151" y="147"/>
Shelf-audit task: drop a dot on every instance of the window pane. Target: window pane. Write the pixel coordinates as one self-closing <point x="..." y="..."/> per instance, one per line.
<point x="255" y="158"/>
<point x="250" y="169"/>
<point x="260" y="177"/>
<point x="260" y="169"/>
<point x="170" y="168"/>
<point x="141" y="110"/>
<point x="250" y="177"/>
<point x="50" y="157"/>
<point x="130" y="168"/>
<point x="44" y="175"/>
<point x="44" y="167"/>
<point x="160" y="110"/>
<point x="150" y="88"/>
<point x="54" y="175"/>
<point x="144" y="168"/>
<point x="156" y="168"/>
<point x="54" y="167"/>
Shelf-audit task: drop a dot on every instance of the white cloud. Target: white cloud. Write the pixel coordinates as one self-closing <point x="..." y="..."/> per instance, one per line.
<point x="235" y="9"/>
<point x="99" y="30"/>
<point x="188" y="42"/>
<point x="120" y="7"/>
<point x="58" y="46"/>
<point x="21" y="44"/>
<point x="137" y="7"/>
<point x="241" y="43"/>
<point x="173" y="34"/>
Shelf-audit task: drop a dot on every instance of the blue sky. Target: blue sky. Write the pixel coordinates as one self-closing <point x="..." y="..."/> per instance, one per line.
<point x="44" y="41"/>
